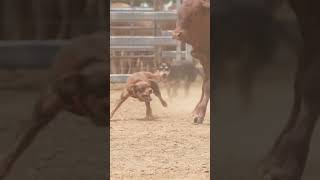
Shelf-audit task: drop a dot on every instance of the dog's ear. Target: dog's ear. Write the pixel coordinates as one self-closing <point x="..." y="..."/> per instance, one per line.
<point x="69" y="84"/>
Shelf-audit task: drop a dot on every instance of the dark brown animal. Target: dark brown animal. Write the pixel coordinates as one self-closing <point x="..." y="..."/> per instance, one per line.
<point x="184" y="73"/>
<point x="141" y="85"/>
<point x="288" y="156"/>
<point x="193" y="27"/>
<point x="78" y="85"/>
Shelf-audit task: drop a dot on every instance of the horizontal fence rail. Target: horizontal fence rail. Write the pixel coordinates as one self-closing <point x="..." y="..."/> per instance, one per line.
<point x="164" y="54"/>
<point x="142" y="41"/>
<point x="118" y="78"/>
<point x="133" y="16"/>
<point x="132" y="9"/>
<point x="132" y="48"/>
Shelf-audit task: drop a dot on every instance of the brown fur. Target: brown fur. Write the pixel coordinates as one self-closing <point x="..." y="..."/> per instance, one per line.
<point x="193" y="27"/>
<point x="141" y="85"/>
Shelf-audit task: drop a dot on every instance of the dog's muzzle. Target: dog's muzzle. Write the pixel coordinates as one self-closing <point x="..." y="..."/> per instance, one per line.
<point x="147" y="95"/>
<point x="164" y="75"/>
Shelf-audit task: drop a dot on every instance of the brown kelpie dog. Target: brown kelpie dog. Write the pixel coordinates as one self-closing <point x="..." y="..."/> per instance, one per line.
<point x="141" y="85"/>
<point x="78" y="85"/>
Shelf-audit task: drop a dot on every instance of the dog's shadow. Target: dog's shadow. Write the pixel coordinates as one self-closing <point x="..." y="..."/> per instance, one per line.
<point x="155" y="118"/>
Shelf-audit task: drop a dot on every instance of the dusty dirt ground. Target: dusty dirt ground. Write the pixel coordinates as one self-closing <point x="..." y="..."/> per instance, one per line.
<point x="169" y="147"/>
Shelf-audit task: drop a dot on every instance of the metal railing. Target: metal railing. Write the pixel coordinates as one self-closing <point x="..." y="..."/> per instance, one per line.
<point x="143" y="43"/>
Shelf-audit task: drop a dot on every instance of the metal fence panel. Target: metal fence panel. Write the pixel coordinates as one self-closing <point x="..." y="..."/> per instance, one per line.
<point x="133" y="16"/>
<point x="142" y="41"/>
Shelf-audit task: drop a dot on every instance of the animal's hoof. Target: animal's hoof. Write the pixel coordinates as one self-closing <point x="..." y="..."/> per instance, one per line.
<point x="198" y="120"/>
<point x="148" y="118"/>
<point x="164" y="104"/>
<point x="271" y="171"/>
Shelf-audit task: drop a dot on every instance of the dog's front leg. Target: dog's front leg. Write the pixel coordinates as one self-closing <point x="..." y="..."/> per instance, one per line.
<point x="46" y="108"/>
<point x="156" y="91"/>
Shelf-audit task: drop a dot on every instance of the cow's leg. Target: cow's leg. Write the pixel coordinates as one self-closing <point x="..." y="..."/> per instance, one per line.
<point x="200" y="111"/>
<point x="44" y="111"/>
<point x="201" y="97"/>
<point x="201" y="108"/>
<point x="287" y="159"/>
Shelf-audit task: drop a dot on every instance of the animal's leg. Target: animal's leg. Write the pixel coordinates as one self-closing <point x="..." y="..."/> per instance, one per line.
<point x="175" y="89"/>
<point x="287" y="158"/>
<point x="149" y="115"/>
<point x="124" y="96"/>
<point x="168" y="89"/>
<point x="202" y="95"/>
<point x="45" y="110"/>
<point x="156" y="91"/>
<point x="187" y="88"/>
<point x="200" y="111"/>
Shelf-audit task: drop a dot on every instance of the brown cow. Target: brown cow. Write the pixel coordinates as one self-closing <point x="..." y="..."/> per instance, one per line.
<point x="288" y="156"/>
<point x="193" y="27"/>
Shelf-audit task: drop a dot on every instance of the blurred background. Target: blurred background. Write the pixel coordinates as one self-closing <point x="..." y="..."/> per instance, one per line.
<point x="256" y="45"/>
<point x="31" y="32"/>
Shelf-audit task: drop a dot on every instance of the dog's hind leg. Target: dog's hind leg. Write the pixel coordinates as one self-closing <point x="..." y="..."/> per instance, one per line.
<point x="168" y="89"/>
<point x="124" y="96"/>
<point x="187" y="88"/>
<point x="156" y="91"/>
<point x="175" y="89"/>
<point x="45" y="110"/>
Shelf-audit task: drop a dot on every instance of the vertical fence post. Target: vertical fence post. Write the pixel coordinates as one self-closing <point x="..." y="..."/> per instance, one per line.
<point x="178" y="49"/>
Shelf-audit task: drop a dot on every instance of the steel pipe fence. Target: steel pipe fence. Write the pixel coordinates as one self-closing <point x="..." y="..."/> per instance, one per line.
<point x="145" y="43"/>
